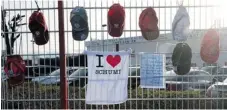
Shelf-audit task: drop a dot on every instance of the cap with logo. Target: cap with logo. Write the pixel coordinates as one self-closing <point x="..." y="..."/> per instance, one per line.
<point x="116" y="20"/>
<point x="148" y="23"/>
<point x="79" y="23"/>
<point x="38" y="27"/>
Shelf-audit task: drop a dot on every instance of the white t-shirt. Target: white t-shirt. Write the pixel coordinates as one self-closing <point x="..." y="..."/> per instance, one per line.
<point x="107" y="77"/>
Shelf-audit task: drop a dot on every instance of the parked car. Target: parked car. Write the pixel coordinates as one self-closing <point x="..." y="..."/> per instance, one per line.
<point x="210" y="69"/>
<point x="134" y="78"/>
<point x="40" y="70"/>
<point x="222" y="73"/>
<point x="219" y="89"/>
<point x="54" y="77"/>
<point x="78" y="78"/>
<point x="169" y="76"/>
<point x="168" y="68"/>
<point x="195" y="79"/>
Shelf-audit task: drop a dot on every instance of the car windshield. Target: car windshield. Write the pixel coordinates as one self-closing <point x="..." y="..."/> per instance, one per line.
<point x="55" y="73"/>
<point x="202" y="75"/>
<point x="210" y="69"/>
<point x="79" y="72"/>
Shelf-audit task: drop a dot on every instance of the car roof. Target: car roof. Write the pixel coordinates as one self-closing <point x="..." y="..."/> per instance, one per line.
<point x="42" y="66"/>
<point x="209" y="66"/>
<point x="171" y="72"/>
<point x="224" y="67"/>
<point x="79" y="71"/>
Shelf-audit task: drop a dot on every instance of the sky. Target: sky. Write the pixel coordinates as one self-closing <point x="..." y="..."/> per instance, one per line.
<point x="200" y="17"/>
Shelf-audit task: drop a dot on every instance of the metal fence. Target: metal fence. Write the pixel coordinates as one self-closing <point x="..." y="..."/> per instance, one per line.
<point x="43" y="60"/>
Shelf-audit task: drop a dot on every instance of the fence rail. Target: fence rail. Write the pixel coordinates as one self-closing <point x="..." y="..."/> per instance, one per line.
<point x="46" y="94"/>
<point x="131" y="7"/>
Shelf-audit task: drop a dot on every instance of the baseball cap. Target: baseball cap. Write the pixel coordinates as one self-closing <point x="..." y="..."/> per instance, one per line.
<point x="210" y="50"/>
<point x="180" y="25"/>
<point x="79" y="23"/>
<point x="116" y="20"/>
<point x="148" y="23"/>
<point x="14" y="69"/>
<point x="38" y="27"/>
<point x="181" y="58"/>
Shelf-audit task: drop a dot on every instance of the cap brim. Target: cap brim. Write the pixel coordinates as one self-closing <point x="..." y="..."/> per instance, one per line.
<point x="116" y="32"/>
<point x="150" y="35"/>
<point x="80" y="35"/>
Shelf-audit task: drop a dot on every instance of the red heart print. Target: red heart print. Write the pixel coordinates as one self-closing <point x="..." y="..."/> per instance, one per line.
<point x="113" y="61"/>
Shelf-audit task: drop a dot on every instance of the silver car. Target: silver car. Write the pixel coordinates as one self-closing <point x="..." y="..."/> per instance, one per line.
<point x="78" y="77"/>
<point x="219" y="89"/>
<point x="54" y="77"/>
<point x="194" y="80"/>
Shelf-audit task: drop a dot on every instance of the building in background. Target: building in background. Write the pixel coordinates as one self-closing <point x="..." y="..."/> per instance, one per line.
<point x="164" y="44"/>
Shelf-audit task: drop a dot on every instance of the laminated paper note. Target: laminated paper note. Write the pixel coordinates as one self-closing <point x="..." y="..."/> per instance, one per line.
<point x="152" y="68"/>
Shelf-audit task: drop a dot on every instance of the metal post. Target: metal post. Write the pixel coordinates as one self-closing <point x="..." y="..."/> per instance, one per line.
<point x="63" y="82"/>
<point x="33" y="52"/>
<point x="117" y="47"/>
<point x="104" y="25"/>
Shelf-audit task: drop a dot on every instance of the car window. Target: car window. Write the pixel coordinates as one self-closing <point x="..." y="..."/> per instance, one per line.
<point x="222" y="71"/>
<point x="70" y="71"/>
<point x="211" y="70"/>
<point x="202" y="75"/>
<point x="179" y="78"/>
<point x="42" y="69"/>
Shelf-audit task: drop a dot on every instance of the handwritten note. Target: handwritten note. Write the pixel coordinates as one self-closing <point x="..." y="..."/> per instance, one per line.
<point x="152" y="68"/>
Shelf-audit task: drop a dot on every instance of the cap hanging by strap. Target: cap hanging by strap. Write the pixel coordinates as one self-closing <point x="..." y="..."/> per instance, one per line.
<point x="37" y="5"/>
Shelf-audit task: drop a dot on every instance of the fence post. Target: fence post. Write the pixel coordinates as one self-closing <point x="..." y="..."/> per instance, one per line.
<point x="63" y="82"/>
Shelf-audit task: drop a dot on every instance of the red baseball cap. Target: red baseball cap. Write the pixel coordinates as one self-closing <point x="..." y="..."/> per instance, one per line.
<point x="148" y="23"/>
<point x="38" y="27"/>
<point x="210" y="50"/>
<point x="15" y="70"/>
<point x="116" y="20"/>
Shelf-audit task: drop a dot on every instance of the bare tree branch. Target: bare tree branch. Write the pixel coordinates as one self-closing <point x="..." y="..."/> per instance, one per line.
<point x="15" y="23"/>
<point x="5" y="32"/>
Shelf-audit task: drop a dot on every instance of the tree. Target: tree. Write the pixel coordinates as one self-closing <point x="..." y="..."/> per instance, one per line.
<point x="13" y="25"/>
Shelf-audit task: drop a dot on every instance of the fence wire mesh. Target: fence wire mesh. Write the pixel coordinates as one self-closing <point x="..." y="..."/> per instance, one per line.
<point x="40" y="92"/>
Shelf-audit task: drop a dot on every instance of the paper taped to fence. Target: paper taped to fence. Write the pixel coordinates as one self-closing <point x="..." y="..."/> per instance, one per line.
<point x="107" y="77"/>
<point x="152" y="68"/>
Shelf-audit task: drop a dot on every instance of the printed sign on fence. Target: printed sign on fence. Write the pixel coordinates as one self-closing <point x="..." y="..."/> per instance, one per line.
<point x="152" y="68"/>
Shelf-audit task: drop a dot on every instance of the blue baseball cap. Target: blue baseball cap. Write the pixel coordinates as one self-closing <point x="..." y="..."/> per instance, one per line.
<point x="79" y="22"/>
